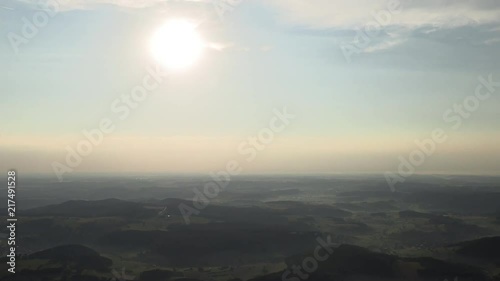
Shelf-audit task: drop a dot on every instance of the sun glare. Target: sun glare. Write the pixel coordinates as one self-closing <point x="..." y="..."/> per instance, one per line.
<point x="177" y="45"/>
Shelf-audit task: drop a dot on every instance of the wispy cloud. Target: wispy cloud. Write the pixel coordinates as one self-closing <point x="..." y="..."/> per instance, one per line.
<point x="349" y="14"/>
<point x="220" y="46"/>
<point x="385" y="45"/>
<point x="492" y="41"/>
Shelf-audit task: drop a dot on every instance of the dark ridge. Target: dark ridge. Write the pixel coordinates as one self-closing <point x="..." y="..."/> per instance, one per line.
<point x="485" y="248"/>
<point x="86" y="209"/>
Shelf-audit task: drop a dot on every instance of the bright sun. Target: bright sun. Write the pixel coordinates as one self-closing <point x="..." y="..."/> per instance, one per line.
<point x="177" y="45"/>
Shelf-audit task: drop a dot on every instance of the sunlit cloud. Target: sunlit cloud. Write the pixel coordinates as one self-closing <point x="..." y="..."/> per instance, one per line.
<point x="218" y="46"/>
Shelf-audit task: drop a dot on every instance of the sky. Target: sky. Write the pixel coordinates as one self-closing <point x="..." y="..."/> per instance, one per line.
<point x="364" y="79"/>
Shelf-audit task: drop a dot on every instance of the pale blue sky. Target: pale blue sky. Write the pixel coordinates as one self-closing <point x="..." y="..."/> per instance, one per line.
<point x="278" y="54"/>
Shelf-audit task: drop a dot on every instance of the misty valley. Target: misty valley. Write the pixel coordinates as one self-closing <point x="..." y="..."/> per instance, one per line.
<point x="286" y="228"/>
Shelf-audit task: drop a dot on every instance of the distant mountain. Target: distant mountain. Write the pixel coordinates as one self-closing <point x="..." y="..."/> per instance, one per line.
<point x="101" y="208"/>
<point x="212" y="243"/>
<point x="409" y="214"/>
<point x="158" y="275"/>
<point x="349" y="262"/>
<point x="82" y="256"/>
<point x="270" y="213"/>
<point x="68" y="262"/>
<point x="456" y="202"/>
<point x="300" y="208"/>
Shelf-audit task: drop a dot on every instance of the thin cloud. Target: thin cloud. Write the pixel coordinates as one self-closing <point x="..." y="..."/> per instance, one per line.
<point x="492" y="41"/>
<point x="385" y="45"/>
<point x="322" y="14"/>
<point x="220" y="46"/>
